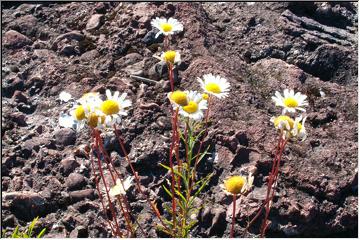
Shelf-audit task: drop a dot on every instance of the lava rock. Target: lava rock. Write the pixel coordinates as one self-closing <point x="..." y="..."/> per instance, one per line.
<point x="68" y="165"/>
<point x="20" y="97"/>
<point x="25" y="205"/>
<point x="14" y="39"/>
<point x="65" y="137"/>
<point x="79" y="232"/>
<point x="19" y="118"/>
<point x="73" y="35"/>
<point x="9" y="220"/>
<point x="25" y="25"/>
<point x="101" y="7"/>
<point x="328" y="61"/>
<point x="95" y="22"/>
<point x="80" y="195"/>
<point x="149" y="38"/>
<point x="9" y="87"/>
<point x="219" y="218"/>
<point x="75" y="181"/>
<point x="158" y="71"/>
<point x="136" y="69"/>
<point x="129" y="59"/>
<point x="69" y="50"/>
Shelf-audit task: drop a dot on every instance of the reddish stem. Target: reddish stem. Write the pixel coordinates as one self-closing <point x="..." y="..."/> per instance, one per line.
<point x="97" y="135"/>
<point x="271" y="174"/>
<point x="233" y="216"/>
<point x="176" y="149"/>
<point x="271" y="181"/>
<point x="166" y="43"/>
<point x="137" y="180"/>
<point x="172" y="177"/>
<point x="99" y="192"/>
<point x="126" y="211"/>
<point x="171" y="76"/>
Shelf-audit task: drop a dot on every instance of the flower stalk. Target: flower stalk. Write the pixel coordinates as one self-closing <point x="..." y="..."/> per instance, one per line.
<point x="137" y="180"/>
<point x="233" y="217"/>
<point x="272" y="184"/>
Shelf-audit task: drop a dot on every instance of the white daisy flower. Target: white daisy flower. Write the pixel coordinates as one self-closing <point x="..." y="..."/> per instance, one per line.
<point x="114" y="107"/>
<point x="166" y="27"/>
<point x="64" y="96"/>
<point x="291" y="101"/>
<point x="215" y="85"/>
<point x="120" y="189"/>
<point x="289" y="127"/>
<point x="170" y="56"/>
<point x="195" y="106"/>
<point x="237" y="185"/>
<point x="87" y="111"/>
<point x="299" y="130"/>
<point x="178" y="98"/>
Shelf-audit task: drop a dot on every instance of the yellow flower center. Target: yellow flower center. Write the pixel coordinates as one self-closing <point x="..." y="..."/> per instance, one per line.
<point x="284" y="118"/>
<point x="170" y="56"/>
<point x="179" y="97"/>
<point x="205" y="96"/>
<point x="110" y="107"/>
<point x="291" y="102"/>
<point x="235" y="184"/>
<point x="299" y="126"/>
<point x="213" y="87"/>
<point x="94" y="119"/>
<point x="166" y="27"/>
<point x="191" y="107"/>
<point x="79" y="113"/>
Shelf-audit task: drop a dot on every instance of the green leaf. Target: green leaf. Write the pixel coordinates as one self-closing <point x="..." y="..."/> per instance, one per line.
<point x="41" y="234"/>
<point x="205" y="182"/>
<point x="181" y="196"/>
<point x="167" y="191"/>
<point x="182" y="206"/>
<point x="177" y="173"/>
<point x="15" y="233"/>
<point x="169" y="169"/>
<point x="161" y="228"/>
<point x="202" y="155"/>
<point x="168" y="209"/>
<point x="170" y="223"/>
<point x="31" y="226"/>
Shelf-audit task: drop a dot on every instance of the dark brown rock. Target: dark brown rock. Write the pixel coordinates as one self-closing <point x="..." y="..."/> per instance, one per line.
<point x="75" y="181"/>
<point x="65" y="137"/>
<point x="80" y="195"/>
<point x="25" y="205"/>
<point x="14" y="39"/>
<point x="20" y="97"/>
<point x="79" y="232"/>
<point x="68" y="165"/>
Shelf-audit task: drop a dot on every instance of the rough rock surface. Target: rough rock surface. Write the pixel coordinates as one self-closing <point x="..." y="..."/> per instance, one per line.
<point x="259" y="47"/>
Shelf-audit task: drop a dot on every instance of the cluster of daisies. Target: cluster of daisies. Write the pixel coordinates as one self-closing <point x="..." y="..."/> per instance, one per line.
<point x="95" y="112"/>
<point x="191" y="104"/>
<point x="291" y="102"/>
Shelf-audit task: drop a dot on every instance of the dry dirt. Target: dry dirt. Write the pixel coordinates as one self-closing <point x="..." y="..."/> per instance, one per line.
<point x="259" y="47"/>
